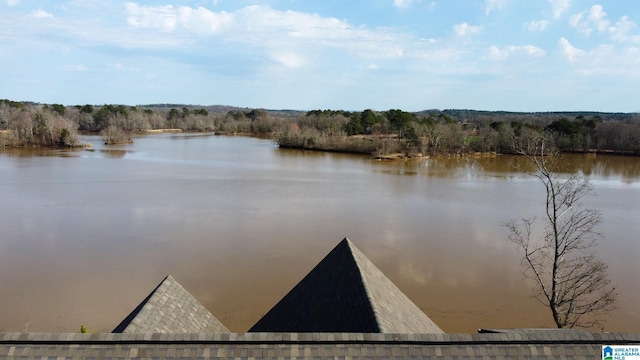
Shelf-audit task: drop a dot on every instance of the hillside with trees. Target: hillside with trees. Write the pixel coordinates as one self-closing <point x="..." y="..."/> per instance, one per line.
<point x="381" y="133"/>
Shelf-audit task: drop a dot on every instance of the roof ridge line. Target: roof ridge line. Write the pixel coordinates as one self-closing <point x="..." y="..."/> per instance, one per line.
<point x="365" y="282"/>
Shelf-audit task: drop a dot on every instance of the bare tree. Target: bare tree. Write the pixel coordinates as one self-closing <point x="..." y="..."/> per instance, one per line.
<point x="561" y="261"/>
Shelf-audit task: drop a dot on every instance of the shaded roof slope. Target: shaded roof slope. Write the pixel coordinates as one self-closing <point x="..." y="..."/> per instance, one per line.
<point x="346" y="292"/>
<point x="170" y="309"/>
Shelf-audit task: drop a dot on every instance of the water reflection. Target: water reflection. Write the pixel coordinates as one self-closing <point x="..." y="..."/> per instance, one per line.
<point x="613" y="167"/>
<point x="112" y="153"/>
<point x="87" y="234"/>
<point x="39" y="152"/>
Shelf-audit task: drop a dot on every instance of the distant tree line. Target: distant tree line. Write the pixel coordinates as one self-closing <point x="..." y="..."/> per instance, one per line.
<point x="30" y="124"/>
<point x="373" y="132"/>
<point x="458" y="132"/>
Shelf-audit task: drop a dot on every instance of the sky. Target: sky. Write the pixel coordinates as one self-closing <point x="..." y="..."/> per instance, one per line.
<point x="508" y="55"/>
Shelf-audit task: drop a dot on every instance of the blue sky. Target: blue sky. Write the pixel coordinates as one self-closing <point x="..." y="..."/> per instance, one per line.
<point x="513" y="55"/>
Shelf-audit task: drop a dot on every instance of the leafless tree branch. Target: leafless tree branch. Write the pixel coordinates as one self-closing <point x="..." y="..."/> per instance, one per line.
<point x="569" y="278"/>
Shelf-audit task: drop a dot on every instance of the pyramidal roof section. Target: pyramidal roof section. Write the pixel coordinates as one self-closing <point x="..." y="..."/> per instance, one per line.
<point x="170" y="309"/>
<point x="346" y="292"/>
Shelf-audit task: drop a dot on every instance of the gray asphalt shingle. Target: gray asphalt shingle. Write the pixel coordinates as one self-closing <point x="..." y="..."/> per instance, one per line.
<point x="170" y="309"/>
<point x="579" y="345"/>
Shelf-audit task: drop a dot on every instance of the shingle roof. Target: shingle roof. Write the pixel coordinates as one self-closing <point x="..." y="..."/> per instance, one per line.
<point x="533" y="331"/>
<point x="566" y="345"/>
<point x="346" y="292"/>
<point x="170" y="309"/>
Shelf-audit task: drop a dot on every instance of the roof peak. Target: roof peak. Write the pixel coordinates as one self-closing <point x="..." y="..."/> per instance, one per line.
<point x="170" y="308"/>
<point x="346" y="292"/>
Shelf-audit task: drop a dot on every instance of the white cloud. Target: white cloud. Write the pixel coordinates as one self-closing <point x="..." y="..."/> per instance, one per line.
<point x="511" y="50"/>
<point x="558" y="7"/>
<point x="162" y="18"/>
<point x="288" y="59"/>
<point x="495" y="53"/>
<point x="620" y="31"/>
<point x="203" y="21"/>
<point x="40" y="14"/>
<point x="465" y="29"/>
<point x="575" y="19"/>
<point x="596" y="18"/>
<point x="13" y="2"/>
<point x="570" y="52"/>
<point x="168" y="18"/>
<point x="402" y="4"/>
<point x="405" y="4"/>
<point x="262" y="26"/>
<point x="535" y="26"/>
<point x="621" y="28"/>
<point x="490" y="5"/>
<point x="608" y="62"/>
<point x="530" y="50"/>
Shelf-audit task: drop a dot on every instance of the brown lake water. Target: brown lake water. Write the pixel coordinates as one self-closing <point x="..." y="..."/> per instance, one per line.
<point x="86" y="235"/>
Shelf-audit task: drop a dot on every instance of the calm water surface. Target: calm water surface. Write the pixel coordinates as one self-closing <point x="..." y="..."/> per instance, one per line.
<point x="86" y="235"/>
